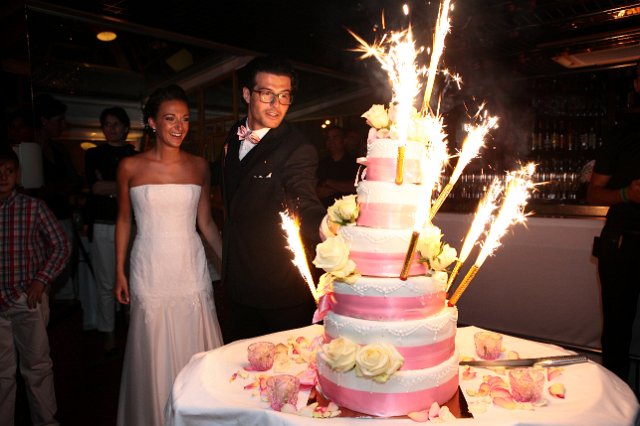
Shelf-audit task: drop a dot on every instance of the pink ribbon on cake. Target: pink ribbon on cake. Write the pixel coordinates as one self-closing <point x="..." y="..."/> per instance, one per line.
<point x="325" y="304"/>
<point x="423" y="356"/>
<point x="384" y="169"/>
<point x="383" y="215"/>
<point x="388" y="404"/>
<point x="385" y="264"/>
<point x="387" y="308"/>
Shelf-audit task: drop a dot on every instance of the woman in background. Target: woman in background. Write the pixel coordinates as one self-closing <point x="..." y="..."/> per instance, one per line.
<point x="172" y="309"/>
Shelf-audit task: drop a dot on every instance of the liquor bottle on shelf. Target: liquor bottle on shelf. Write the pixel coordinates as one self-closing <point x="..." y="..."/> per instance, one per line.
<point x="561" y="136"/>
<point x="554" y="137"/>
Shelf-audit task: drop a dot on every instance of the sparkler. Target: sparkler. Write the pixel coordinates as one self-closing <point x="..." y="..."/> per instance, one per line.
<point x="291" y="226"/>
<point x="432" y="165"/>
<point x="483" y="214"/>
<point x="470" y="148"/>
<point x="518" y="185"/>
<point x="442" y="28"/>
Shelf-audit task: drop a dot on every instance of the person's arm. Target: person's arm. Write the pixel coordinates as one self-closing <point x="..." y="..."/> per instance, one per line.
<point x="206" y="225"/>
<point x="599" y="194"/>
<point x="300" y="187"/>
<point x="123" y="228"/>
<point x="49" y="230"/>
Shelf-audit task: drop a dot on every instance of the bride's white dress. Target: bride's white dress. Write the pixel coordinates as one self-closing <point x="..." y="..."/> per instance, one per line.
<point x="172" y="310"/>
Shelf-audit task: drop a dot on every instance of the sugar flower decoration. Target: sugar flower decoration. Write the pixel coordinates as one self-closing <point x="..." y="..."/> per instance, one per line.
<point x="344" y="211"/>
<point x="332" y="255"/>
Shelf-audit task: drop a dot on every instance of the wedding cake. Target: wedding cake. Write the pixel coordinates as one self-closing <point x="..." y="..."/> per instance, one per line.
<point x="390" y="343"/>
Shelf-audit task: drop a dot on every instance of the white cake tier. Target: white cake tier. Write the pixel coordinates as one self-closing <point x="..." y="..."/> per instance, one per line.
<point x="380" y="252"/>
<point x="404" y="392"/>
<point x="380" y="299"/>
<point x="382" y="157"/>
<point x="422" y="342"/>
<point x="388" y="205"/>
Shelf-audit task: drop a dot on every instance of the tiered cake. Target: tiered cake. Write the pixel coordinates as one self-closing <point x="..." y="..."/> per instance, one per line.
<point x="391" y="342"/>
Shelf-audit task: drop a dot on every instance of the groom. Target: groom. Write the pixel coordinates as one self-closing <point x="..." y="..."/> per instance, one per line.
<point x="268" y="167"/>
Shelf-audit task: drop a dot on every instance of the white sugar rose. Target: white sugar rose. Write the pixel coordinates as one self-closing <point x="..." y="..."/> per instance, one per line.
<point x="378" y="362"/>
<point x="377" y="117"/>
<point x="429" y="242"/>
<point x="344" y="211"/>
<point x="332" y="254"/>
<point x="447" y="256"/>
<point x="340" y="354"/>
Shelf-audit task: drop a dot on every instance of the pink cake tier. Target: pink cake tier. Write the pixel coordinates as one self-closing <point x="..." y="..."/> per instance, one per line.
<point x="382" y="157"/>
<point x="405" y="392"/>
<point x="390" y="299"/>
<point x="388" y="205"/>
<point x="424" y="342"/>
<point x="380" y="252"/>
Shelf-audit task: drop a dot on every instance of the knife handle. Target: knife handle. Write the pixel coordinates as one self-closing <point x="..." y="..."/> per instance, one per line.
<point x="565" y="360"/>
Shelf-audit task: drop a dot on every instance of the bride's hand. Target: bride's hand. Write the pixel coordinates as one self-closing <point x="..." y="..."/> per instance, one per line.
<point x="122" y="290"/>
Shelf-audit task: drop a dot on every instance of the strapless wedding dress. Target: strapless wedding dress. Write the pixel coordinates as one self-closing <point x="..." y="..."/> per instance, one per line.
<point x="173" y="314"/>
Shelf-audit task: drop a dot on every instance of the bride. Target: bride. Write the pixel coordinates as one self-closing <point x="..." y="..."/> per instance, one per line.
<point x="166" y="191"/>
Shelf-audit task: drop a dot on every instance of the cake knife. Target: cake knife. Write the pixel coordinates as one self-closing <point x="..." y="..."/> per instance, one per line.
<point x="547" y="361"/>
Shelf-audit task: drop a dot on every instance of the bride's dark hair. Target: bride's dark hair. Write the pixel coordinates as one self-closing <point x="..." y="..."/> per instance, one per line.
<point x="172" y="92"/>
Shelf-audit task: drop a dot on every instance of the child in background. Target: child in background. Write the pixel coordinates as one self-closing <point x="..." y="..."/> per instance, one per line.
<point x="33" y="251"/>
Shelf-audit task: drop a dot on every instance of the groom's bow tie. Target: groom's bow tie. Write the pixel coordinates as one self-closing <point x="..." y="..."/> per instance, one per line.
<point x="248" y="135"/>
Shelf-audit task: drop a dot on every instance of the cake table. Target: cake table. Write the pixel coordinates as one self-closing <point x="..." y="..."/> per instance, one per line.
<point x="203" y="393"/>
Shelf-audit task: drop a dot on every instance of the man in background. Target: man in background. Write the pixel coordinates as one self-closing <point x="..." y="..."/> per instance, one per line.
<point x="615" y="182"/>
<point x="101" y="164"/>
<point x="337" y="170"/>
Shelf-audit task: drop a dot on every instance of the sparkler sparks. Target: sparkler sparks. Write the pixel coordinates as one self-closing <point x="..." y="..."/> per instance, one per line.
<point x="291" y="226"/>
<point x="485" y="209"/>
<point x="518" y="185"/>
<point x="470" y="149"/>
<point x="441" y="31"/>
<point x="397" y="55"/>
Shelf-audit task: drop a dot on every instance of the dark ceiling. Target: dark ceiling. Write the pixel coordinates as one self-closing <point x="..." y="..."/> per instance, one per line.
<point x="164" y="41"/>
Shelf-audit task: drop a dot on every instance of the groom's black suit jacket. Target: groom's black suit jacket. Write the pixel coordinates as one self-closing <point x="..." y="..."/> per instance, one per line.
<point x="277" y="174"/>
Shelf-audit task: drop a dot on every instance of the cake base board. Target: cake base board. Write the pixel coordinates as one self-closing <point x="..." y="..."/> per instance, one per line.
<point x="457" y="405"/>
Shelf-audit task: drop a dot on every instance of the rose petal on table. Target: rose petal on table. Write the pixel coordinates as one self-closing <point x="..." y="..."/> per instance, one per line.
<point x="419" y="416"/>
<point x="507" y="403"/>
<point x="484" y="389"/>
<point x="513" y="355"/>
<point x="553" y="372"/>
<point x="468" y="374"/>
<point x="499" y="392"/>
<point x="308" y="377"/>
<point x="496" y="382"/>
<point x="289" y="408"/>
<point x="434" y="410"/>
<point x="557" y="390"/>
<point x="445" y="415"/>
<point x="307" y="411"/>
<point x="478" y="407"/>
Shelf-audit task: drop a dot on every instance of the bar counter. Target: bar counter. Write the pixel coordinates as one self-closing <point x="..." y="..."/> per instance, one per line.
<point x="542" y="282"/>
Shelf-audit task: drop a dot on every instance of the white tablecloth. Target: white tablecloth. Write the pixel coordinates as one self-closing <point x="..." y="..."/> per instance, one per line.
<point x="204" y="395"/>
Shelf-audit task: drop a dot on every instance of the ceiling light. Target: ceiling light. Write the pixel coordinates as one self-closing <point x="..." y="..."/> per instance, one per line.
<point x="106" y="36"/>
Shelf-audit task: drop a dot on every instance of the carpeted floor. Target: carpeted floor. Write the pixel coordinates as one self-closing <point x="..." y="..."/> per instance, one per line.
<point x="87" y="379"/>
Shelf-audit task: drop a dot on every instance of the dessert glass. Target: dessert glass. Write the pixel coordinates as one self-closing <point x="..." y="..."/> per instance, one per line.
<point x="526" y="384"/>
<point x="488" y="344"/>
<point x="282" y="389"/>
<point x="261" y="355"/>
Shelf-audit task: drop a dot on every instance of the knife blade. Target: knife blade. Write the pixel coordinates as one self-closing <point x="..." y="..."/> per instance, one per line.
<point x="547" y="361"/>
